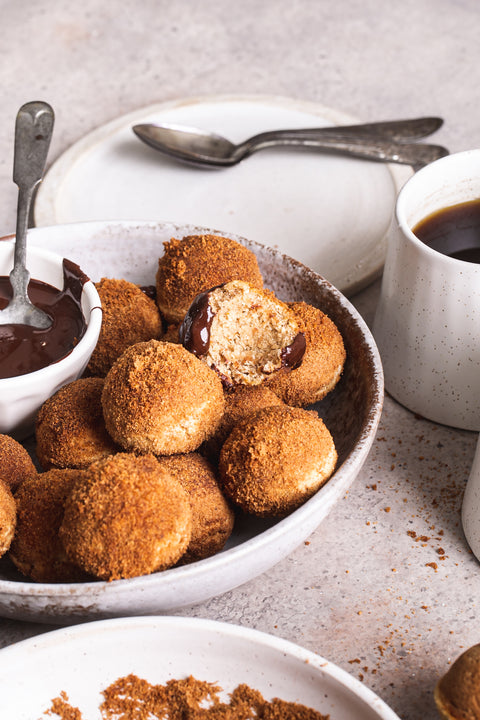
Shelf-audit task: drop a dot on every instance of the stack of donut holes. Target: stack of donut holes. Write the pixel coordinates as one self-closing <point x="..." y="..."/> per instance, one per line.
<point x="192" y="411"/>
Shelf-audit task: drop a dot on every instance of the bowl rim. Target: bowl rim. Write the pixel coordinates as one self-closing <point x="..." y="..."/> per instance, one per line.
<point x="88" y="339"/>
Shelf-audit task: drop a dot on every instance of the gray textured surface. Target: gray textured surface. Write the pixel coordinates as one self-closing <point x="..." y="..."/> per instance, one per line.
<point x="386" y="587"/>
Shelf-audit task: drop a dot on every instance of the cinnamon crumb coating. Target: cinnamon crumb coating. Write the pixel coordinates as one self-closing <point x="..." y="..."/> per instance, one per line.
<point x="15" y="463"/>
<point x="241" y="401"/>
<point x="457" y="693"/>
<point x="275" y="459"/>
<point x="128" y="316"/>
<point x="212" y="516"/>
<point x="197" y="263"/>
<point x="70" y="429"/>
<point x="322" y="362"/>
<point x="127" y="517"/>
<point x="160" y="398"/>
<point x="36" y="549"/>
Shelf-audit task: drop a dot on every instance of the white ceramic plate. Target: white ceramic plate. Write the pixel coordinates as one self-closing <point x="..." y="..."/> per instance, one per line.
<point x="351" y="412"/>
<point x="85" y="659"/>
<point x="329" y="212"/>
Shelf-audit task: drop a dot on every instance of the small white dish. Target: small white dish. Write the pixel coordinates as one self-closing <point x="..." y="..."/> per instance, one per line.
<point x="22" y="396"/>
<point x="85" y="659"/>
<point x="351" y="412"/>
<point x="331" y="213"/>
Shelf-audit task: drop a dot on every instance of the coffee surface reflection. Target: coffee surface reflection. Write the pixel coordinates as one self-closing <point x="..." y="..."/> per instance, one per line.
<point x="453" y="231"/>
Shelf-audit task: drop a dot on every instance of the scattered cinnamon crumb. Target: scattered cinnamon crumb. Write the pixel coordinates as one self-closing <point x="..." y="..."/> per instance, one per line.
<point x="61" y="707"/>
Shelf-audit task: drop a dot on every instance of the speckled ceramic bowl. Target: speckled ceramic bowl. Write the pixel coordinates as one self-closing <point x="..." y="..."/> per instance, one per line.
<point x="22" y="396"/>
<point x="351" y="412"/>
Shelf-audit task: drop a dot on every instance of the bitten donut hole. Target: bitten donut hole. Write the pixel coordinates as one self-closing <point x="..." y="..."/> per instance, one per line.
<point x="251" y="333"/>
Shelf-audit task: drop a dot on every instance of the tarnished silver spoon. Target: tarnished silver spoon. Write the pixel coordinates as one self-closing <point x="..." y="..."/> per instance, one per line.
<point x="374" y="141"/>
<point x="33" y="132"/>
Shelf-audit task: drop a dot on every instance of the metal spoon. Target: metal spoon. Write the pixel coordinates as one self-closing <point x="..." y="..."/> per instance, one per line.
<point x="373" y="141"/>
<point x="33" y="132"/>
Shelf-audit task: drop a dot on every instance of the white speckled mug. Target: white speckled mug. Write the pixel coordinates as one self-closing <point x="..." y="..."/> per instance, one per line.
<point x="427" y="324"/>
<point x="471" y="505"/>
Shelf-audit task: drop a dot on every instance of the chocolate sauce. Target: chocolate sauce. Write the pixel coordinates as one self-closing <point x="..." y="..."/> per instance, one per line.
<point x="453" y="231"/>
<point x="150" y="291"/>
<point x="24" y="349"/>
<point x="292" y="355"/>
<point x="194" y="332"/>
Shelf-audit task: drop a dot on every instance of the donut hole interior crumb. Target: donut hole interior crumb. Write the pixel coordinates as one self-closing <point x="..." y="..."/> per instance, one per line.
<point x="249" y="330"/>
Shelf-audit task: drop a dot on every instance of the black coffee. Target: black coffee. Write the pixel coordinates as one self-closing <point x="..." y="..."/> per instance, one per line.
<point x="453" y="231"/>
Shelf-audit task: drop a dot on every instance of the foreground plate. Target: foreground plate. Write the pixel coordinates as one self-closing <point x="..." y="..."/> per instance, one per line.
<point x="351" y="412"/>
<point x="84" y="660"/>
<point x="329" y="212"/>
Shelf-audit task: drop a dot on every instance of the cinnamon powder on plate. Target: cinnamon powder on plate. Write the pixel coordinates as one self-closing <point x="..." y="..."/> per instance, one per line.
<point x="132" y="698"/>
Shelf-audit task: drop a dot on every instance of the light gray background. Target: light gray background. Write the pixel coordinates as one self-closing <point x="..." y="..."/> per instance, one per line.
<point x="361" y="592"/>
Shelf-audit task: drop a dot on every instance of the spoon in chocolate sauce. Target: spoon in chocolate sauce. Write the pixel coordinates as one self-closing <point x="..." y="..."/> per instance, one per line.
<point x="33" y="132"/>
